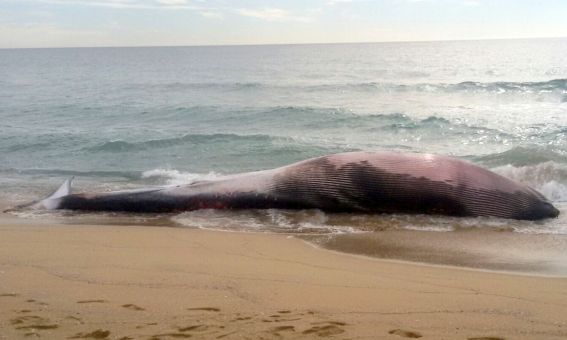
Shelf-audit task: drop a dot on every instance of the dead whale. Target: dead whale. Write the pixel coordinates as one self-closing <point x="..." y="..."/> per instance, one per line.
<point x="369" y="182"/>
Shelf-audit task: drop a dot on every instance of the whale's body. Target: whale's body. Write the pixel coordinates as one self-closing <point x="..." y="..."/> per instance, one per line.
<point x="370" y="182"/>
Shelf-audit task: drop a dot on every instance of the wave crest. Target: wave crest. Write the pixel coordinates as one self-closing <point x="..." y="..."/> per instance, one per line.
<point x="549" y="86"/>
<point x="121" y="146"/>
<point x="175" y="177"/>
<point x="522" y="156"/>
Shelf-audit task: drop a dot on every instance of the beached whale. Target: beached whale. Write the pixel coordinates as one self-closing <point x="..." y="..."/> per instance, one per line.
<point x="370" y="182"/>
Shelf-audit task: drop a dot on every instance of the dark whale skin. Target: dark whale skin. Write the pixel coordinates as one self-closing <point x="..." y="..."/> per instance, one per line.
<point x="369" y="182"/>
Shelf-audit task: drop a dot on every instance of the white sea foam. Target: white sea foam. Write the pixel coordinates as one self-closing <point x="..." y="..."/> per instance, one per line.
<point x="175" y="177"/>
<point x="270" y="220"/>
<point x="434" y="228"/>
<point x="449" y="224"/>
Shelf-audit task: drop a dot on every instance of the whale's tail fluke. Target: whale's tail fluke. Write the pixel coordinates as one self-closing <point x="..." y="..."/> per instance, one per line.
<point x="51" y="201"/>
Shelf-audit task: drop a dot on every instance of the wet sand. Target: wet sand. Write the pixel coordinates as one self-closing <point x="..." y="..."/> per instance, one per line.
<point x="128" y="282"/>
<point x="480" y="248"/>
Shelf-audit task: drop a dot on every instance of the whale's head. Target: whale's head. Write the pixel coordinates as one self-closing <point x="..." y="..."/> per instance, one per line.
<point x="544" y="210"/>
<point x="535" y="206"/>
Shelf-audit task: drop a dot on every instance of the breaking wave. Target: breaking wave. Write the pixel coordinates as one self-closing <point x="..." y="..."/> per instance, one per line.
<point x="522" y="156"/>
<point x="550" y="178"/>
<point x="189" y="139"/>
<point x="175" y="177"/>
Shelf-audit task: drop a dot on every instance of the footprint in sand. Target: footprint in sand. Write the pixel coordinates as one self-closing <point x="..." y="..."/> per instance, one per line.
<point x="326" y="329"/>
<point x="92" y="301"/>
<point x="285" y="316"/>
<point x="146" y="325"/>
<point x="194" y="328"/>
<point x="206" y="309"/>
<point x="37" y="302"/>
<point x="337" y="323"/>
<point x="9" y="295"/>
<point x="74" y="319"/>
<point x="32" y="322"/>
<point x="98" y="334"/>
<point x="133" y="307"/>
<point x="23" y="319"/>
<point x="277" y="330"/>
<point x="241" y="318"/>
<point x="39" y="327"/>
<point x="169" y="335"/>
<point x="226" y="334"/>
<point x="405" y="334"/>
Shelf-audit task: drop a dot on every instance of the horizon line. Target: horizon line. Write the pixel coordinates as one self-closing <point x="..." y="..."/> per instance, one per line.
<point x="288" y="44"/>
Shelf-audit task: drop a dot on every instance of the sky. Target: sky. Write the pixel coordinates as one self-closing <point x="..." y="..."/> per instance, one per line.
<point x="84" y="23"/>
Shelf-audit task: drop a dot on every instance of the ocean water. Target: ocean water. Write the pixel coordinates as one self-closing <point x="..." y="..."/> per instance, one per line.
<point x="120" y="118"/>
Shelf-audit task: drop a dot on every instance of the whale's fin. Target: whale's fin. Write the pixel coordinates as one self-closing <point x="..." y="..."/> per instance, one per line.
<point x="51" y="201"/>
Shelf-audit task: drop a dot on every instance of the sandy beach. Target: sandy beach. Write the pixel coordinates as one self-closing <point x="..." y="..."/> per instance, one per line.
<point x="128" y="282"/>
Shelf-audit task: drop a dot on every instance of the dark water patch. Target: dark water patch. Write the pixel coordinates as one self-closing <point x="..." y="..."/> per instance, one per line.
<point x="223" y="152"/>
<point x="285" y="117"/>
<point x="129" y="175"/>
<point x="190" y="139"/>
<point x="20" y="142"/>
<point x="32" y="145"/>
<point x="184" y="86"/>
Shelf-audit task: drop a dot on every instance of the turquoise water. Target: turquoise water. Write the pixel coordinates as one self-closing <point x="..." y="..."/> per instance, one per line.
<point x="129" y="117"/>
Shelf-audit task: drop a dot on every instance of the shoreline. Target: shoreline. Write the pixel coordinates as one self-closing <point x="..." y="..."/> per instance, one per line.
<point x="475" y="248"/>
<point x="59" y="281"/>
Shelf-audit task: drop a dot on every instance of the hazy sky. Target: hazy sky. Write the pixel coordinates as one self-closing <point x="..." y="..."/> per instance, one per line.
<point x="50" y="23"/>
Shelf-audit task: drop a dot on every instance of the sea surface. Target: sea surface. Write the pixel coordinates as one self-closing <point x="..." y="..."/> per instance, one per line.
<point x="120" y="118"/>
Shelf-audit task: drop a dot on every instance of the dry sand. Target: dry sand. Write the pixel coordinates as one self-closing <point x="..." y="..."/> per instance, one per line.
<point x="110" y="282"/>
